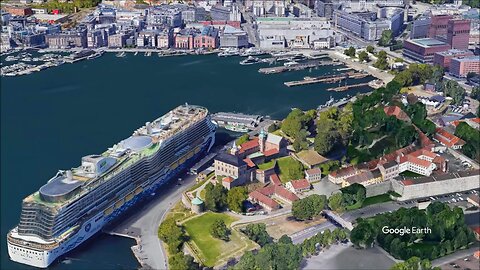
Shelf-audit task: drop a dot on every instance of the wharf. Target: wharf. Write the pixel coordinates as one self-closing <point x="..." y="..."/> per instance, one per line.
<point x="346" y="87"/>
<point x="327" y="78"/>
<point x="303" y="66"/>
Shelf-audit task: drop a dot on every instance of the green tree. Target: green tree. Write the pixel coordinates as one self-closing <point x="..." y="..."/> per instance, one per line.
<point x="475" y="93"/>
<point x="325" y="141"/>
<point x="180" y="261"/>
<point x="386" y="39"/>
<point x="219" y="230"/>
<point x="381" y="62"/>
<point x="335" y="202"/>
<point x="363" y="56"/>
<point x="285" y="239"/>
<point x="350" y="52"/>
<point x="246" y="262"/>
<point x="242" y="139"/>
<point x="235" y="198"/>
<point x="293" y="123"/>
<point x="370" y="49"/>
<point x="215" y="197"/>
<point x="273" y="127"/>
<point x="257" y="232"/>
<point x="309" y="207"/>
<point x="172" y="234"/>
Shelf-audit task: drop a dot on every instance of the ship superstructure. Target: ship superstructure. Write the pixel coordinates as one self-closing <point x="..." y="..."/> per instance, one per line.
<point x="77" y="203"/>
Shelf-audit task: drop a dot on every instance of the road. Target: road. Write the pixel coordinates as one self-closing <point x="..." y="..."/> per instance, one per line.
<point x="143" y="225"/>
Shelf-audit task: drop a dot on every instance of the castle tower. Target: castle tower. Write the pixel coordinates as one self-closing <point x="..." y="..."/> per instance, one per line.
<point x="261" y="140"/>
<point x="234" y="149"/>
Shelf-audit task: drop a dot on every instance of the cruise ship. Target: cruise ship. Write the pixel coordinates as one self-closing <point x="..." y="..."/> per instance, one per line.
<point x="76" y="203"/>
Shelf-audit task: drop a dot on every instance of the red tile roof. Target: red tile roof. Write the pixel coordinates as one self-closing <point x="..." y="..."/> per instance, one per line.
<point x="447" y="138"/>
<point x="476" y="229"/>
<point x="285" y="194"/>
<point x="249" y="162"/>
<point x="423" y="152"/>
<point x="300" y="184"/>
<point x="256" y="195"/>
<point x="275" y="179"/>
<point x="249" y="145"/>
<point x="397" y="112"/>
<point x="407" y="182"/>
<point x="270" y="152"/>
<point x="415" y="160"/>
<point x="314" y="171"/>
<point x="228" y="179"/>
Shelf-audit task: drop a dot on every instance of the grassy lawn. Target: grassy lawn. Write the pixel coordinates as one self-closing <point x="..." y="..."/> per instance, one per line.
<point x="210" y="250"/>
<point x="410" y="174"/>
<point x="267" y="165"/>
<point x="179" y="212"/>
<point x="376" y="199"/>
<point x="284" y="165"/>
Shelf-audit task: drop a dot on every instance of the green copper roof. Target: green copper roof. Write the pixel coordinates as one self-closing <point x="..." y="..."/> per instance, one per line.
<point x="197" y="201"/>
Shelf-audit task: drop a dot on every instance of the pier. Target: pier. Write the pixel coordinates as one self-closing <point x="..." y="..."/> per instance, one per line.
<point x="346" y="87"/>
<point x="327" y="78"/>
<point x="302" y="66"/>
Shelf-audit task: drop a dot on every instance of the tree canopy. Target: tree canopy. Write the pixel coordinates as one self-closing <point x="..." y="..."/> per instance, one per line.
<point x="381" y="62"/>
<point x="386" y="39"/>
<point x="309" y="207"/>
<point x="257" y="232"/>
<point x="350" y="52"/>
<point x="235" y="198"/>
<point x="219" y="230"/>
<point x="215" y="197"/>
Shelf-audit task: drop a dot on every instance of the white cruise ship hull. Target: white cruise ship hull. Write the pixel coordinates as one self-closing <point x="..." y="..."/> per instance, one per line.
<point x="42" y="259"/>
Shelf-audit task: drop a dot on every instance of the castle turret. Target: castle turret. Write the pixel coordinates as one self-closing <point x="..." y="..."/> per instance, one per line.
<point x="261" y="140"/>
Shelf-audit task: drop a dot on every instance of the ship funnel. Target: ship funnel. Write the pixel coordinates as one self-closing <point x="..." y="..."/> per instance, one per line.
<point x="149" y="128"/>
<point x="69" y="174"/>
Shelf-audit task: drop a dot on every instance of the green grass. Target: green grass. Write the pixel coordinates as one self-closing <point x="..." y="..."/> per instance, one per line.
<point x="410" y="174"/>
<point x="267" y="165"/>
<point x="197" y="185"/>
<point x="376" y="199"/>
<point x="214" y="251"/>
<point x="284" y="165"/>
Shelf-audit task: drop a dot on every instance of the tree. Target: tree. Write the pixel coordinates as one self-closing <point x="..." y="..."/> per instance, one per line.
<point x="404" y="78"/>
<point x="285" y="239"/>
<point x="475" y="93"/>
<point x="293" y="123"/>
<point x="257" y="232"/>
<point x="309" y="207"/>
<point x="335" y="202"/>
<point x="381" y="61"/>
<point x="363" y="234"/>
<point x="235" y="198"/>
<point x="242" y="139"/>
<point x="246" y="262"/>
<point x="172" y="234"/>
<point x="471" y="75"/>
<point x="454" y="90"/>
<point x="180" y="261"/>
<point x="386" y="39"/>
<point x="219" y="230"/>
<point x="370" y="49"/>
<point x="325" y="141"/>
<point x="273" y="127"/>
<point x="215" y="197"/>
<point x="363" y="56"/>
<point x="350" y="52"/>
<point x="300" y="142"/>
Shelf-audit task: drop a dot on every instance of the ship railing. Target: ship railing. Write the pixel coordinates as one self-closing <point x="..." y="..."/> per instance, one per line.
<point x="37" y="246"/>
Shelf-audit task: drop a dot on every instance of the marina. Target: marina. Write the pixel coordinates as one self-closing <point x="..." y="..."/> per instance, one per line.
<point x="347" y="87"/>
<point x="296" y="67"/>
<point x="327" y="78"/>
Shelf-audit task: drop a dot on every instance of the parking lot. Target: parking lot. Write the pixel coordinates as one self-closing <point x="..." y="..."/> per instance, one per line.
<point x="459" y="198"/>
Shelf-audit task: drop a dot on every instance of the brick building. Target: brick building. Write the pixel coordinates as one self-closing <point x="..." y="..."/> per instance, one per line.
<point x="458" y="34"/>
<point x="460" y="67"/>
<point x="443" y="58"/>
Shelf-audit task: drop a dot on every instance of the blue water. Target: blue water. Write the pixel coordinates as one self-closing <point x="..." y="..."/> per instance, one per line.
<point x="50" y="119"/>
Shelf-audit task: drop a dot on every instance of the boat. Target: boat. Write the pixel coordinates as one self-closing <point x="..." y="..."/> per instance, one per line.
<point x="298" y="57"/>
<point x="237" y="128"/>
<point x="120" y="54"/>
<point x="229" y="52"/>
<point x="252" y="52"/>
<point x="11" y="58"/>
<point x="95" y="55"/>
<point x="290" y="63"/>
<point x="250" y="61"/>
<point x="77" y="203"/>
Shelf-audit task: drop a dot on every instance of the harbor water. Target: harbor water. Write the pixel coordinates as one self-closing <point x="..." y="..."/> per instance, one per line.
<point x="51" y="118"/>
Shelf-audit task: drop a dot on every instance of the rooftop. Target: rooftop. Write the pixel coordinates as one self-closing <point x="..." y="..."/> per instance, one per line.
<point x="427" y="42"/>
<point x="230" y="159"/>
<point x="471" y="58"/>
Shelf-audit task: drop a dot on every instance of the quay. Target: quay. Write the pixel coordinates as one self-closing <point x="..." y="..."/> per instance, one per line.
<point x="281" y="69"/>
<point x="327" y="78"/>
<point x="346" y="87"/>
<point x="239" y="120"/>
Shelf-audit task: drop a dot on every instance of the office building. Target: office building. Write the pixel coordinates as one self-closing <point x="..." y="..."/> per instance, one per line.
<point x="460" y="67"/>
<point x="443" y="58"/>
<point x="458" y="34"/>
<point x="424" y="49"/>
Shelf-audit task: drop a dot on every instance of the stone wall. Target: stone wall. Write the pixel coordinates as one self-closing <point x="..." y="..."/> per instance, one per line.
<point x="435" y="188"/>
<point x="378" y="189"/>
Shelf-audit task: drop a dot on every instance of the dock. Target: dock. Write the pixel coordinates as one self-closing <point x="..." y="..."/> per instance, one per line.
<point x="302" y="66"/>
<point x="327" y="78"/>
<point x="346" y="87"/>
